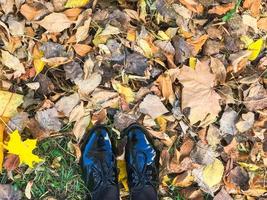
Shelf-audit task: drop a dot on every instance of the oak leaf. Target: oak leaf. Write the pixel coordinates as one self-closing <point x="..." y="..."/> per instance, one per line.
<point x="198" y="93"/>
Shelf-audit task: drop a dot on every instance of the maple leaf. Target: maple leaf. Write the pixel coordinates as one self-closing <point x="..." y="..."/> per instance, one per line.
<point x="198" y="93"/>
<point x="23" y="149"/>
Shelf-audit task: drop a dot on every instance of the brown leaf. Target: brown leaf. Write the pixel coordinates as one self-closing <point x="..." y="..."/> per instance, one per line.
<point x="222" y="195"/>
<point x="55" y="22"/>
<point x="239" y="178"/>
<point x="165" y="84"/>
<point x="218" y="69"/>
<point x="255" y="97"/>
<point x="11" y="162"/>
<point x="82" y="49"/>
<point x="198" y="43"/>
<point x="198" y="94"/>
<point x="152" y="106"/>
<point x="73" y="13"/>
<point x="253" y="5"/>
<point x="221" y="9"/>
<point x="193" y="5"/>
<point x="29" y="11"/>
<point x="36" y="130"/>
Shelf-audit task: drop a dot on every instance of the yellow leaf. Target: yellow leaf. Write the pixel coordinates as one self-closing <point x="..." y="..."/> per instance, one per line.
<point x="165" y="181"/>
<point x="123" y="90"/>
<point x="121" y="164"/>
<point x="37" y="60"/>
<point x="143" y="13"/>
<point x="255" y="49"/>
<point x="247" y="40"/>
<point x="2" y="127"/>
<point x="145" y="47"/>
<point x="163" y="36"/>
<point x="192" y="62"/>
<point x="131" y="35"/>
<point x="249" y="167"/>
<point x="76" y="3"/>
<point x="212" y="174"/>
<point x="162" y="122"/>
<point x="38" y="65"/>
<point x="23" y="149"/>
<point x="9" y="103"/>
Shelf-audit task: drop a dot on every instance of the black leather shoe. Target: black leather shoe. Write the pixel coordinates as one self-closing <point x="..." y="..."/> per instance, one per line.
<point x="142" y="159"/>
<point x="99" y="164"/>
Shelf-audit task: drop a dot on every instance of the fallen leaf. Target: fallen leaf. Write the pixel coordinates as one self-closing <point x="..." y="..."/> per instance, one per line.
<point x="89" y="85"/>
<point x="37" y="60"/>
<point x="11" y="162"/>
<point x="255" y="49"/>
<point x="222" y="195"/>
<point x="73" y="13"/>
<point x="23" y="149"/>
<point x="262" y="23"/>
<point x="255" y="97"/>
<point x="198" y="94"/>
<point x="228" y="121"/>
<point x="28" y="189"/>
<point x="127" y="92"/>
<point x="238" y="178"/>
<point x="183" y="180"/>
<point x="203" y="154"/>
<point x="9" y="103"/>
<point x="28" y="12"/>
<point x="9" y="192"/>
<point x="73" y="71"/>
<point x="121" y="165"/>
<point x="165" y="84"/>
<point x="152" y="105"/>
<point x="55" y="22"/>
<point x="12" y="62"/>
<point x="218" y="69"/>
<point x="80" y="126"/>
<point x="48" y="119"/>
<point x="221" y="9"/>
<point x="67" y="103"/>
<point x="198" y="43"/>
<point x="76" y="3"/>
<point x="250" y="21"/>
<point x="82" y="49"/>
<point x="2" y="128"/>
<point x="253" y="5"/>
<point x="212" y="174"/>
<point x="82" y="31"/>
<point x="193" y="5"/>
<point x="246" y="122"/>
<point x="110" y="30"/>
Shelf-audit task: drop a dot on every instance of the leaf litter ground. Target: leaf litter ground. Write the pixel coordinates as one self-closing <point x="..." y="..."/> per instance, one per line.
<point x="193" y="72"/>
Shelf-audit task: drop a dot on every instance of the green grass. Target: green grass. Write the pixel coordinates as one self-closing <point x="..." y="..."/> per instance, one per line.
<point x="61" y="182"/>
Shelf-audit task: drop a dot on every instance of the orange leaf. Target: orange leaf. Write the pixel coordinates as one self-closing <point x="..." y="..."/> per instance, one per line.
<point x="82" y="49"/>
<point x="221" y="9"/>
<point x="262" y="23"/>
<point x="193" y="5"/>
<point x="72" y="13"/>
<point x="198" y="43"/>
<point x="253" y="6"/>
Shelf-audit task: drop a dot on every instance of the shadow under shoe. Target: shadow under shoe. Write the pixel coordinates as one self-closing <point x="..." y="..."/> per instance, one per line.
<point x="142" y="162"/>
<point x="99" y="164"/>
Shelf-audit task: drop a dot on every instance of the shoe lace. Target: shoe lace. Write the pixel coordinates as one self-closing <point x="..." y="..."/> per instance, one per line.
<point x="145" y="176"/>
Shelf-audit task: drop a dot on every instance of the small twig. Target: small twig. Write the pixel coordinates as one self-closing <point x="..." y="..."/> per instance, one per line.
<point x="10" y="129"/>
